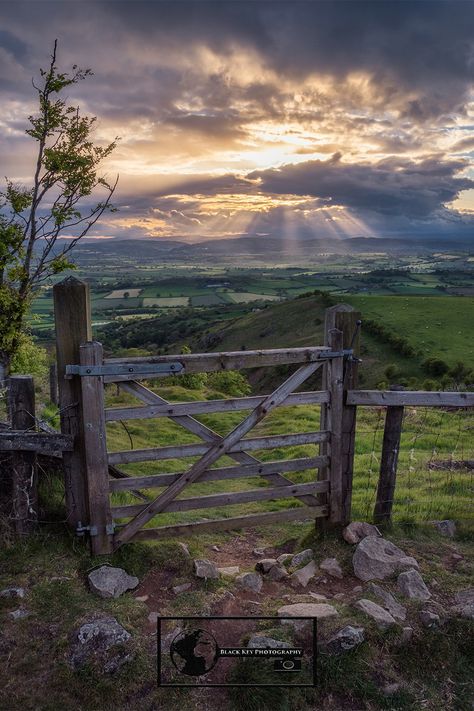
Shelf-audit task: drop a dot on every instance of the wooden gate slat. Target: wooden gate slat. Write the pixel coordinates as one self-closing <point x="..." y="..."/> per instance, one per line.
<point x="218" y="450"/>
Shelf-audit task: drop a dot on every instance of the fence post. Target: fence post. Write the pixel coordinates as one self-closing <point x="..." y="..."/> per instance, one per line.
<point x="53" y="383"/>
<point x="95" y="451"/>
<point x="73" y="326"/>
<point x="334" y="422"/>
<point x="343" y="318"/>
<point x="24" y="464"/>
<point x="388" y="464"/>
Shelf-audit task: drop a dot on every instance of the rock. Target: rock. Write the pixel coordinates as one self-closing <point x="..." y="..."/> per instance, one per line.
<point x="266" y="643"/>
<point x="377" y="559"/>
<point x="215" y="548"/>
<point x="251" y="581"/>
<point x="318" y="596"/>
<point x="264" y="565"/>
<point x="407" y="634"/>
<point x="142" y="598"/>
<point x="331" y="567"/>
<point x="103" y="643"/>
<point x="166" y="639"/>
<point x="382" y="618"/>
<point x="278" y="572"/>
<point x="445" y="528"/>
<point x="429" y="619"/>
<point x="230" y="571"/>
<point x="302" y="558"/>
<point x="185" y="549"/>
<point x="357" y="589"/>
<point x="152" y="617"/>
<point x="465" y="604"/>
<point x="411" y="584"/>
<point x="284" y="558"/>
<point x="19" y="614"/>
<point x="177" y="589"/>
<point x="346" y="639"/>
<point x="13" y="593"/>
<point x="357" y="530"/>
<point x="339" y="596"/>
<point x="204" y="568"/>
<point x="302" y="576"/>
<point x="259" y="552"/>
<point x="111" y="582"/>
<point x="457" y="557"/>
<point x="391" y="689"/>
<point x="465" y="597"/>
<point x="307" y="609"/>
<point x="389" y="603"/>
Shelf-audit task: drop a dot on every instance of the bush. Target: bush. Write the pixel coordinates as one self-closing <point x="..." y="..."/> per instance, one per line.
<point x="30" y="359"/>
<point x="435" y="367"/>
<point x="230" y="382"/>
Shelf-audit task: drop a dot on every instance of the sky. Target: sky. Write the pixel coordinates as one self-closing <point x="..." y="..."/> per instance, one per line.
<point x="294" y="120"/>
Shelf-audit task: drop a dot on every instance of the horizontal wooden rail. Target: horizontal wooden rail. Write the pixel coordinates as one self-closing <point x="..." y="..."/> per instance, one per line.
<point x="231" y="360"/>
<point x="228" y="499"/>
<point x="40" y="442"/>
<point x="225" y="524"/>
<point x="244" y="470"/>
<point x="407" y="397"/>
<point x="195" y="450"/>
<point x="178" y="409"/>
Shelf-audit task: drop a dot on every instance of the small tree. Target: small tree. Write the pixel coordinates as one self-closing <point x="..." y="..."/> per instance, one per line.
<point x="32" y="219"/>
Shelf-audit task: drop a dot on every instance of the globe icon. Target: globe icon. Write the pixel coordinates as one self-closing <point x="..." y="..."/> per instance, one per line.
<point x="194" y="652"/>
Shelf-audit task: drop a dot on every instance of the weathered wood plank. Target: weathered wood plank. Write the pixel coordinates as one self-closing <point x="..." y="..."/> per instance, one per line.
<point x="218" y="450"/>
<point x="40" y="442"/>
<point x="177" y="409"/>
<point x="335" y="427"/>
<point x="409" y="398"/>
<point x="95" y="450"/>
<point x="24" y="463"/>
<point x="227" y="499"/>
<point x="388" y="464"/>
<point x="263" y="519"/>
<point x="194" y="450"/>
<point x="243" y="471"/>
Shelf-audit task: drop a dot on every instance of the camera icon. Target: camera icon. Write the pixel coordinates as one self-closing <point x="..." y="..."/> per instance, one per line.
<point x="288" y="665"/>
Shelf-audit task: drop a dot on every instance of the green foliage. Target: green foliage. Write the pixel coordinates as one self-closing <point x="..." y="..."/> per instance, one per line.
<point x="435" y="367"/>
<point x="29" y="358"/>
<point x="230" y="382"/>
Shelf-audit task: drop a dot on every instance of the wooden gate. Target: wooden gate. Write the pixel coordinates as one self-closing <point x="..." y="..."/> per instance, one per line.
<point x="90" y="507"/>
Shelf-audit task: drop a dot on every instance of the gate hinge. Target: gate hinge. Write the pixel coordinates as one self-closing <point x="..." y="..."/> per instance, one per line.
<point x="92" y="530"/>
<point x="125" y="369"/>
<point x="347" y="352"/>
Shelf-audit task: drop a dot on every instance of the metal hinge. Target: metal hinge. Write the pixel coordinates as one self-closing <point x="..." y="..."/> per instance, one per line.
<point x="347" y="352"/>
<point x="125" y="369"/>
<point x="92" y="530"/>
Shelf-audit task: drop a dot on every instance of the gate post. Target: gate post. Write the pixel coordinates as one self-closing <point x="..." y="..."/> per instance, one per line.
<point x="95" y="451"/>
<point x="24" y="464"/>
<point x="343" y="318"/>
<point x="72" y="317"/>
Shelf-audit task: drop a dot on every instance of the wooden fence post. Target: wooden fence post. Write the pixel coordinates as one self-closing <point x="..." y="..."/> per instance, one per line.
<point x="343" y="318"/>
<point x="334" y="423"/>
<point x="24" y="464"/>
<point x="95" y="451"/>
<point x="53" y="383"/>
<point x="73" y="326"/>
<point x="388" y="464"/>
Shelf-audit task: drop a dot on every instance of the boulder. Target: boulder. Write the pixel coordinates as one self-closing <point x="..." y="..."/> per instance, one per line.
<point x="230" y="571"/>
<point x="19" y="614"/>
<point x="302" y="576"/>
<point x="264" y="565"/>
<point x="111" y="582"/>
<point x="381" y="617"/>
<point x="205" y="569"/>
<point x="412" y="585"/>
<point x="177" y="589"/>
<point x="262" y="642"/>
<point x="429" y="619"/>
<point x="250" y="581"/>
<point x="307" y="609"/>
<point x="464" y="604"/>
<point x="357" y="530"/>
<point x="284" y="558"/>
<point x="13" y="593"/>
<point x="446" y="528"/>
<point x="302" y="558"/>
<point x="102" y="643"/>
<point x="377" y="559"/>
<point x="345" y="639"/>
<point x="318" y="596"/>
<point x="278" y="572"/>
<point x="259" y="552"/>
<point x="389" y="603"/>
<point x="331" y="567"/>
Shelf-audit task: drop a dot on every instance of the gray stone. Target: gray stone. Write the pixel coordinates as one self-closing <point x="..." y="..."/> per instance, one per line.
<point x="377" y="559"/>
<point x="166" y="639"/>
<point x="357" y="530"/>
<point x="465" y="604"/>
<point x="103" y="642"/>
<point x="457" y="557"/>
<point x="205" y="569"/>
<point x="216" y="548"/>
<point x="318" y="596"/>
<point x="331" y="567"/>
<point x="391" y="605"/>
<point x="339" y="596"/>
<point x="152" y="617"/>
<point x="302" y="558"/>
<point x="284" y="558"/>
<point x="251" y="581"/>
<point x="263" y="642"/>
<point x="13" y="593"/>
<point x="264" y="565"/>
<point x="302" y="576"/>
<point x="230" y="571"/>
<point x="259" y="552"/>
<point x="357" y="589"/>
<point x="381" y="617"/>
<point x="412" y="585"/>
<point x="429" y="619"/>
<point x="307" y="609"/>
<point x="111" y="582"/>
<point x="278" y="572"/>
<point x="19" y="614"/>
<point x="177" y="589"/>
<point x="345" y="639"/>
<point x="185" y="549"/>
<point x="142" y="598"/>
<point x="465" y="597"/>
<point x="446" y="528"/>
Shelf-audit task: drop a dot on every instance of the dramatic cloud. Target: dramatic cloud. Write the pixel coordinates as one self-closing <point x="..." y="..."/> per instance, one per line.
<point x="286" y="118"/>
